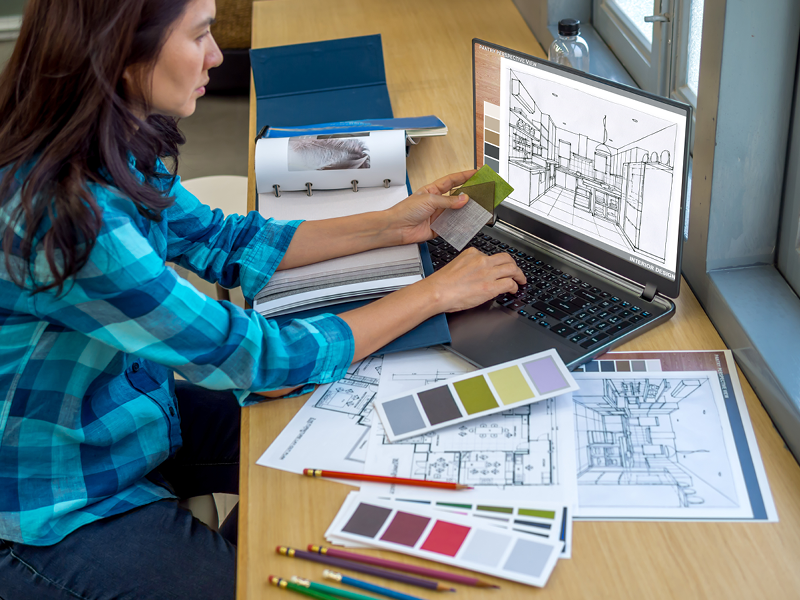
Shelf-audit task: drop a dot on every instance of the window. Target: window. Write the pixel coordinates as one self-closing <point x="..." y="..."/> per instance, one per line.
<point x="642" y="47"/>
<point x="662" y="54"/>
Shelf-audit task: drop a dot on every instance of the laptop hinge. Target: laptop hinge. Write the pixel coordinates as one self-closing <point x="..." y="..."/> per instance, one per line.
<point x="649" y="291"/>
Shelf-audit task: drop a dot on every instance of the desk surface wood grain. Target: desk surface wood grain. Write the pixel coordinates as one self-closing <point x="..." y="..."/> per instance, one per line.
<point x="427" y="48"/>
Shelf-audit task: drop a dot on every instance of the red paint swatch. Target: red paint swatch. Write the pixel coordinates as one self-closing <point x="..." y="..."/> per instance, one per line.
<point x="405" y="529"/>
<point x="445" y="538"/>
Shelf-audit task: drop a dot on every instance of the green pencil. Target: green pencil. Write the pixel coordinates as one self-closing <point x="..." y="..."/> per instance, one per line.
<point x="329" y="589"/>
<point x="295" y="587"/>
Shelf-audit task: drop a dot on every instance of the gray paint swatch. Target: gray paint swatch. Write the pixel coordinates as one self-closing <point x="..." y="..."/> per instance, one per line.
<point x="439" y="405"/>
<point x="403" y="415"/>
<point x="486" y="548"/>
<point x="528" y="558"/>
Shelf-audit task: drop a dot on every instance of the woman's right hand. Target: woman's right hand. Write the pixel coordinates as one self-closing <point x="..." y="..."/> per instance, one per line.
<point x="473" y="278"/>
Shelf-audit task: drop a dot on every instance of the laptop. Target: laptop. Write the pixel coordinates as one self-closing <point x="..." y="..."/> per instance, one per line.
<point x="595" y="221"/>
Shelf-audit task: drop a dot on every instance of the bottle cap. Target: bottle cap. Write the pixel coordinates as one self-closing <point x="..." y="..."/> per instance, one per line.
<point x="569" y="27"/>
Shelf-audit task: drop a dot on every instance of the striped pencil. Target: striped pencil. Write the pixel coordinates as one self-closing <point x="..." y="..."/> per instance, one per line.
<point x="295" y="587"/>
<point x="442" y="485"/>
<point x="329" y="589"/>
<point x="364" y="585"/>
<point x="398" y="566"/>
<point x="340" y="563"/>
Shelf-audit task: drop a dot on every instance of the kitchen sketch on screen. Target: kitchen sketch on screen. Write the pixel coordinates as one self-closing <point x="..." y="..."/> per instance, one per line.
<point x="596" y="166"/>
<point x="328" y="153"/>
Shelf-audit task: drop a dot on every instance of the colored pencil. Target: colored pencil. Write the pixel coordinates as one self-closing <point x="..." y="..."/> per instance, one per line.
<point x="290" y="585"/>
<point x="442" y="485"/>
<point x="398" y="566"/>
<point x="370" y="587"/>
<point x="362" y="568"/>
<point x="329" y="589"/>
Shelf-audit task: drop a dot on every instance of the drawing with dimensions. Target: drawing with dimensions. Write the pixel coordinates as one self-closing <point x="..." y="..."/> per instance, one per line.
<point x="594" y="166"/>
<point x="654" y="441"/>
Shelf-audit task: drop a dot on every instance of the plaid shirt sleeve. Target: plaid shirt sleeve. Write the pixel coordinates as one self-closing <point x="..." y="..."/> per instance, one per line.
<point x="127" y="298"/>
<point x="224" y="249"/>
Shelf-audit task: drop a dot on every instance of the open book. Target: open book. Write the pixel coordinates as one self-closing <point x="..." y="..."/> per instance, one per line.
<point x="334" y="175"/>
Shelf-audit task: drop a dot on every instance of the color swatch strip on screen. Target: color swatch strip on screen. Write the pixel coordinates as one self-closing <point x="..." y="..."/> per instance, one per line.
<point x="448" y="538"/>
<point x="476" y="394"/>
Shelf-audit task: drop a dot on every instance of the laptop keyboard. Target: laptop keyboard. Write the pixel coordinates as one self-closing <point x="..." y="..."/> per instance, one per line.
<point x="553" y="299"/>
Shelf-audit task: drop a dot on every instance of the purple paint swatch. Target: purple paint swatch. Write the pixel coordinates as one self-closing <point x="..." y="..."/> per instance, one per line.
<point x="545" y="375"/>
<point x="405" y="529"/>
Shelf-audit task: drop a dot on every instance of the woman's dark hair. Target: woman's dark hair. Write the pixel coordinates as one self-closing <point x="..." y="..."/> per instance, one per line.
<point x="66" y="120"/>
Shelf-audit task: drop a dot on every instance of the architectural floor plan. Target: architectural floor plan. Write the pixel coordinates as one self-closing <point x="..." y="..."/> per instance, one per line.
<point x="331" y="430"/>
<point x="513" y="452"/>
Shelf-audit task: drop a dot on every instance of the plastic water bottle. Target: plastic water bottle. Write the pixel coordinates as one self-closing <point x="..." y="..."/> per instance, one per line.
<point x="569" y="48"/>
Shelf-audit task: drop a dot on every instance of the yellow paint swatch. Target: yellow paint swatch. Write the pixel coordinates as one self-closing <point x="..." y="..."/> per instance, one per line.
<point x="511" y="385"/>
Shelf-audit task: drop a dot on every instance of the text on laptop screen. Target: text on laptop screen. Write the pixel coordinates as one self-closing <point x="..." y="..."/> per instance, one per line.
<point x="599" y="163"/>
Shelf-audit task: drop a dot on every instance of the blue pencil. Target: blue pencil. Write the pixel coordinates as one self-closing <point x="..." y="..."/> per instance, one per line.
<point x="375" y="589"/>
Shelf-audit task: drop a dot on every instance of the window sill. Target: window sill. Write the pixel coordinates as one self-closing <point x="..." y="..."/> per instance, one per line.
<point x="602" y="61"/>
<point x="764" y="337"/>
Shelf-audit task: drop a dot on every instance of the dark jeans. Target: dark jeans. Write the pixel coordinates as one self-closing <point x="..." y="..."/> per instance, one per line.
<point x="156" y="551"/>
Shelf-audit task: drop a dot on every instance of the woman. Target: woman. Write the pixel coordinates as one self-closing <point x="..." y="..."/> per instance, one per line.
<point x="96" y="439"/>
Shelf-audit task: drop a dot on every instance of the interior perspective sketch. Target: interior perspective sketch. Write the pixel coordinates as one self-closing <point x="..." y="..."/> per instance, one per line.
<point x="600" y="168"/>
<point x="649" y="436"/>
<point x="513" y="448"/>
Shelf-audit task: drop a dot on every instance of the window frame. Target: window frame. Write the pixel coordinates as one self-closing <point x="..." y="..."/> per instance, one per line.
<point x="649" y="67"/>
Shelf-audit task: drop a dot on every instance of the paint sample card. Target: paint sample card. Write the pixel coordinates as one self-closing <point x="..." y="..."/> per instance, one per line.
<point x="478" y="394"/>
<point x="536" y="519"/>
<point x="449" y="538"/>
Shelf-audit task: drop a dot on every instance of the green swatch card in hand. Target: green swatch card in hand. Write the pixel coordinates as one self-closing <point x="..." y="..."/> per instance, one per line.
<point x="501" y="187"/>
<point x="482" y="193"/>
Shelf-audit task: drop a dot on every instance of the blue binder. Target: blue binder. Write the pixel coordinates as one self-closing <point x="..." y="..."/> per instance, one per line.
<point x="325" y="82"/>
<point x="320" y="82"/>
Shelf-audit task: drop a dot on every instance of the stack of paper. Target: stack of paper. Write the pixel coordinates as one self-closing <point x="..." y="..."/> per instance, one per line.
<point x="359" y="276"/>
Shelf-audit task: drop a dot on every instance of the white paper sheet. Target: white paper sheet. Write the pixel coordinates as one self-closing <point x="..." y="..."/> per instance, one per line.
<point x="523" y="454"/>
<point x="331" y="430"/>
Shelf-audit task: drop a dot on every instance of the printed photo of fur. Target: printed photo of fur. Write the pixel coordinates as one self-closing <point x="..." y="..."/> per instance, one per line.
<point x="325" y="153"/>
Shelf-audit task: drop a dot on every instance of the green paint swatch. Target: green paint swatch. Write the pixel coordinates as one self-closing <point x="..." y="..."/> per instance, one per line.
<point x="511" y="385"/>
<point x="499" y="509"/>
<point x="501" y="187"/>
<point x="475" y="395"/>
<point x="542" y="514"/>
<point x="453" y="505"/>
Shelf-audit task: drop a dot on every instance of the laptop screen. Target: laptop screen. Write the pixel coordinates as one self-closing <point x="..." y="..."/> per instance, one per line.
<point x="598" y="168"/>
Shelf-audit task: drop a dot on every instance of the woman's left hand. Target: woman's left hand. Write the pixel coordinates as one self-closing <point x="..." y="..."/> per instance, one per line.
<point x="411" y="219"/>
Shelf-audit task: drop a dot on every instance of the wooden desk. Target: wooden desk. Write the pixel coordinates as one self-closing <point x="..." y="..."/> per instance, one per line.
<point x="427" y="47"/>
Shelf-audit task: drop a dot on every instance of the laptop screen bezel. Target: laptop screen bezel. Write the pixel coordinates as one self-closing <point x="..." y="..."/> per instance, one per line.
<point x="585" y="250"/>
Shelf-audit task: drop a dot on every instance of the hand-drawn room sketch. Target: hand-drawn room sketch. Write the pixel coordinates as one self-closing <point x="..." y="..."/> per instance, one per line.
<point x="331" y="430"/>
<point x="595" y="166"/>
<point x="655" y="444"/>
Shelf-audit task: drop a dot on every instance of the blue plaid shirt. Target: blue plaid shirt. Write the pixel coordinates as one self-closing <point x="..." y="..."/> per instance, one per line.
<point x="87" y="407"/>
